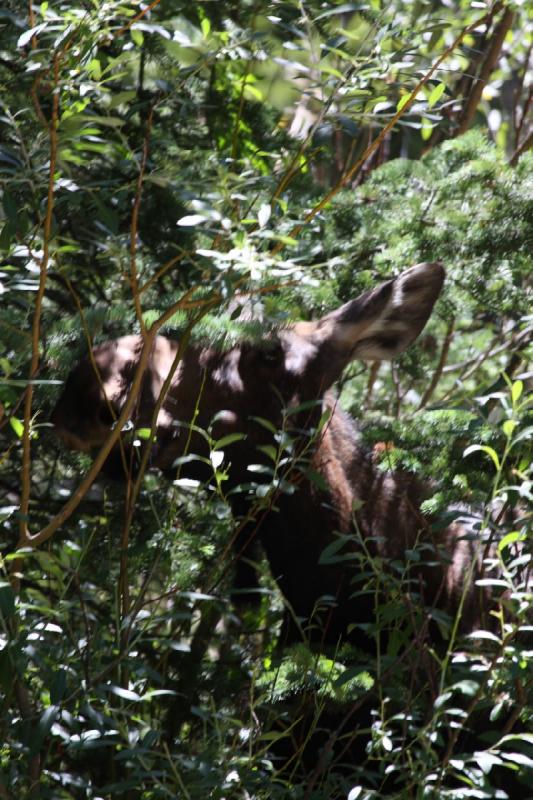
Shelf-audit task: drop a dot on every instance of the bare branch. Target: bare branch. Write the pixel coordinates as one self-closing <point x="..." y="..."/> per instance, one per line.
<point x="487" y="67"/>
<point x="437" y="375"/>
<point x="36" y="326"/>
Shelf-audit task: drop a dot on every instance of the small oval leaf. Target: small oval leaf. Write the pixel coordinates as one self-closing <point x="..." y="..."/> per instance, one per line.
<point x="436" y="94"/>
<point x="516" y="391"/>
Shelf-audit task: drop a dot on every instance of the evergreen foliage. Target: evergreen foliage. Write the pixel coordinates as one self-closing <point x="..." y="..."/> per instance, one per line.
<point x="147" y="154"/>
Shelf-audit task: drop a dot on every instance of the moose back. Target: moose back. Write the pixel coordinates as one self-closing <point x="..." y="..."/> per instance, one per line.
<point x="278" y="391"/>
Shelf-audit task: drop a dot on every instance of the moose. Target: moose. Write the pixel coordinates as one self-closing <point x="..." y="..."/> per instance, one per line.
<point x="330" y="495"/>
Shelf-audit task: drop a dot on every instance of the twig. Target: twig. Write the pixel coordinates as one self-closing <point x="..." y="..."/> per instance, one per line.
<point x="135" y="222"/>
<point x="135" y="19"/>
<point x="161" y="271"/>
<point x="235" y="134"/>
<point x="36" y="326"/>
<point x="397" y="389"/>
<point x="294" y="166"/>
<point x="31" y="21"/>
<point x="487" y="67"/>
<point x="518" y="124"/>
<point x="372" y="375"/>
<point x="526" y="145"/>
<point x="437" y="375"/>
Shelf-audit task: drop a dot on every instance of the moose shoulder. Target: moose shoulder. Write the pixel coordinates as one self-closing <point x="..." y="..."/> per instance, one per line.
<point x="235" y="392"/>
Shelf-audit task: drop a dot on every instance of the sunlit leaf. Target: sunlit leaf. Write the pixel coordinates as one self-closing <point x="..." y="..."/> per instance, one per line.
<point x="17" y="426"/>
<point x="516" y="391"/>
<point x="436" y="94"/>
<point x="473" y="448"/>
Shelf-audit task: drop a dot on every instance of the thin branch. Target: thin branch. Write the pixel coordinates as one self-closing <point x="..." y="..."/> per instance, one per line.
<point x="36" y="326"/>
<point x="437" y="375"/>
<point x="135" y="488"/>
<point x="372" y="375"/>
<point x="235" y="134"/>
<point x="135" y="222"/>
<point x="518" y="123"/>
<point x="162" y="271"/>
<point x="135" y="19"/>
<point x="294" y="166"/>
<point x="395" y="377"/>
<point x="519" y="340"/>
<point x="487" y="68"/>
<point x="31" y="21"/>
<point x="527" y="144"/>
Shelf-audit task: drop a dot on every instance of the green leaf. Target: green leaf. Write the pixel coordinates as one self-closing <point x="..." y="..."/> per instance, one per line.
<point x="17" y="426"/>
<point x="110" y="122"/>
<point x="486" y="760"/>
<point x="329" y="553"/>
<point x="360" y="677"/>
<point x="316" y="478"/>
<point x="527" y="433"/>
<point x="229" y="439"/>
<point x="10" y="206"/>
<point x="264" y="215"/>
<point x="510" y="538"/>
<point x="94" y="69"/>
<point x="7" y="234"/>
<point x="436" y="94"/>
<point x="516" y="737"/>
<point x="442" y="699"/>
<point x="466" y="687"/>
<point x="481" y="634"/>
<point x="58" y="686"/>
<point x="137" y="36"/>
<point x="402" y="101"/>
<point x="122" y="98"/>
<point x="265" y="423"/>
<point x="473" y="448"/>
<point x="516" y="391"/>
<point x="508" y="427"/>
<point x="426" y="129"/>
<point x="270" y="451"/>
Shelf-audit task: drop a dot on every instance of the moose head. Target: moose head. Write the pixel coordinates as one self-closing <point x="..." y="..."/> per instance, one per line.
<point x="231" y="390"/>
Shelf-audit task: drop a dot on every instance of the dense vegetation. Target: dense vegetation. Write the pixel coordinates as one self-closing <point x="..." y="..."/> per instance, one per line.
<point x="154" y="161"/>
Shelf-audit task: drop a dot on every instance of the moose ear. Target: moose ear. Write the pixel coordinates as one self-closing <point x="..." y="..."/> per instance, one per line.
<point x="388" y="331"/>
<point x="382" y="323"/>
<point x="412" y="297"/>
